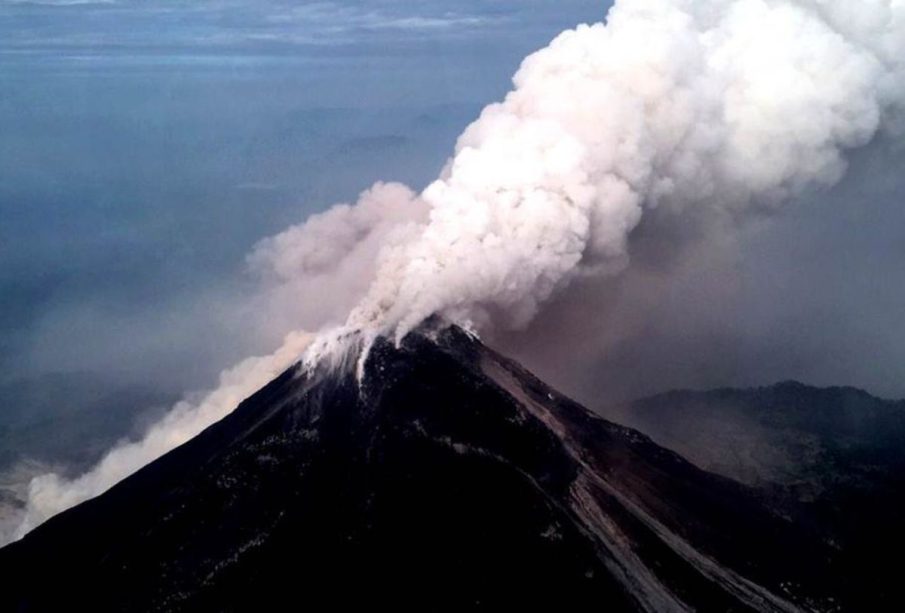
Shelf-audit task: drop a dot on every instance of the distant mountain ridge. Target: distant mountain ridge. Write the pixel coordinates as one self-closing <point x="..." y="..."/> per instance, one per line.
<point x="784" y="434"/>
<point x="831" y="459"/>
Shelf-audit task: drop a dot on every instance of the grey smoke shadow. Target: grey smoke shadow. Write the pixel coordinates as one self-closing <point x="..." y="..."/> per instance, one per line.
<point x="812" y="293"/>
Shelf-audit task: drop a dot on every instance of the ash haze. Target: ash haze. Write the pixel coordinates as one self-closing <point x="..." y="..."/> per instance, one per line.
<point x="691" y="194"/>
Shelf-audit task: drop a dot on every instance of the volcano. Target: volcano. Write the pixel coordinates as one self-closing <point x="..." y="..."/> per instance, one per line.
<point x="447" y="476"/>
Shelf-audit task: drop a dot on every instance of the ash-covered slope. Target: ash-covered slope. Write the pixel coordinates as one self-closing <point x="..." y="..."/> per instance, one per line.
<point x="452" y="477"/>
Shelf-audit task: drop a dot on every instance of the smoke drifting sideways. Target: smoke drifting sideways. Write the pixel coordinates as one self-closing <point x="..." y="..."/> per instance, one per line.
<point x="670" y="111"/>
<point x="705" y="109"/>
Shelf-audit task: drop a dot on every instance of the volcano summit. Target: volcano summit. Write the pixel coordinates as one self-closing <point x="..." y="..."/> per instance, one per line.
<point x="448" y="475"/>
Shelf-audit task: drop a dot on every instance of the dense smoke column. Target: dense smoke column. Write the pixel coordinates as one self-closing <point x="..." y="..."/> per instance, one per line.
<point x="716" y="105"/>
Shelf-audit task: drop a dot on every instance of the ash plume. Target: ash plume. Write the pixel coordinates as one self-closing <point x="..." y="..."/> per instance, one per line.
<point x="671" y="109"/>
<point x="720" y="106"/>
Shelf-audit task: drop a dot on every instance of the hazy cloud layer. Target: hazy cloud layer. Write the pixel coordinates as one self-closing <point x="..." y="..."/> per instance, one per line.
<point x="119" y="27"/>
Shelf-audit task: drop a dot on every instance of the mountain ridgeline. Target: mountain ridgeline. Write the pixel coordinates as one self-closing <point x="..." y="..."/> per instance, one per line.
<point x="448" y="477"/>
<point x="831" y="459"/>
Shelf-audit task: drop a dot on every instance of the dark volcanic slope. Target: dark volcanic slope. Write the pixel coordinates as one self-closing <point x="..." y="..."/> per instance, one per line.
<point x="451" y="477"/>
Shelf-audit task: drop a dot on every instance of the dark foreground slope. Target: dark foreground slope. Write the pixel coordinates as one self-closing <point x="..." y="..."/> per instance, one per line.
<point x="451" y="477"/>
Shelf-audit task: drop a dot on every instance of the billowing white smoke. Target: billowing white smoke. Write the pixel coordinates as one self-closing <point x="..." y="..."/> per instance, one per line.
<point x="333" y="255"/>
<point x="319" y="270"/>
<point x="721" y="104"/>
<point x="706" y="105"/>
